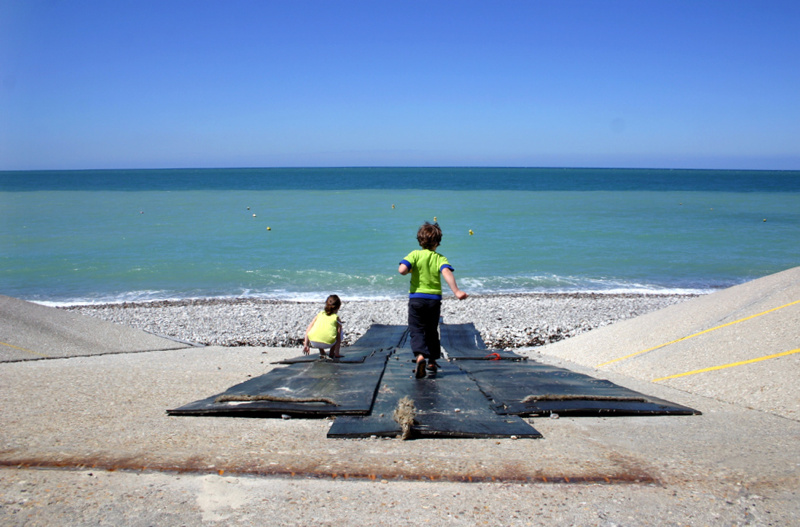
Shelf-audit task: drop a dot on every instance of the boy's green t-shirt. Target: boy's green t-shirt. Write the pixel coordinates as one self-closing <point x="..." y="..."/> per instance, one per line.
<point x="426" y="266"/>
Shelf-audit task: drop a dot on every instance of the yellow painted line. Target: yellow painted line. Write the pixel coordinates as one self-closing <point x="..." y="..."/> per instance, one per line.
<point x="731" y="365"/>
<point x="697" y="334"/>
<point x="23" y="349"/>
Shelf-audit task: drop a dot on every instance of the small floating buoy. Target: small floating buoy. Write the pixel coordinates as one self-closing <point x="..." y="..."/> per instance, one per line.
<point x="248" y="208"/>
<point x="392" y="205"/>
<point x="269" y="228"/>
<point x="765" y="219"/>
<point x="470" y="232"/>
<point x="434" y="218"/>
<point x="254" y="215"/>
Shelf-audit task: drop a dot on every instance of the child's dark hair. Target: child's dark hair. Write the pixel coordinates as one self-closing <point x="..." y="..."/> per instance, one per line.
<point x="332" y="304"/>
<point x="429" y="236"/>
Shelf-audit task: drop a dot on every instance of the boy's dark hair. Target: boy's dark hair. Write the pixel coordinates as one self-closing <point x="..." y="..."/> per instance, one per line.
<point x="332" y="304"/>
<point x="429" y="235"/>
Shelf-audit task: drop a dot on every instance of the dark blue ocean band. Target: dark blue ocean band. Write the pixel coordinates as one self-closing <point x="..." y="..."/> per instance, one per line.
<point x="425" y="295"/>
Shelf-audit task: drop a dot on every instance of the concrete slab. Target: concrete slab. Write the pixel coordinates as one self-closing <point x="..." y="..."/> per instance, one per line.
<point x="739" y="345"/>
<point x="103" y="419"/>
<point x="31" y="331"/>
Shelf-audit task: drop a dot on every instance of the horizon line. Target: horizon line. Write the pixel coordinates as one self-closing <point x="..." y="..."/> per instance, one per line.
<point x="312" y="167"/>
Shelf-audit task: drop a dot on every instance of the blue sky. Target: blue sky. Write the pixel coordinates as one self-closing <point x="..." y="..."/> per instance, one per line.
<point x="201" y="83"/>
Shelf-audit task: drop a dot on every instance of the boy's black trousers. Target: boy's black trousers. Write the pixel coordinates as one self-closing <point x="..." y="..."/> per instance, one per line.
<point x="423" y="326"/>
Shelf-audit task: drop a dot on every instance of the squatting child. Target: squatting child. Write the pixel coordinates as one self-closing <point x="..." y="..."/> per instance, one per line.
<point x="325" y="331"/>
<point x="425" y="296"/>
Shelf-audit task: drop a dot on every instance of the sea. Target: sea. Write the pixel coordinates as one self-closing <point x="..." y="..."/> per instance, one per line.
<point x="299" y="234"/>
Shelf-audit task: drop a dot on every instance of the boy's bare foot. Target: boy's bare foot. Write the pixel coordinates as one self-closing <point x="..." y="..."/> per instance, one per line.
<point x="433" y="366"/>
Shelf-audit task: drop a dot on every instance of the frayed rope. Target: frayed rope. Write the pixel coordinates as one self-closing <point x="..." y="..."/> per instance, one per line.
<point x="404" y="415"/>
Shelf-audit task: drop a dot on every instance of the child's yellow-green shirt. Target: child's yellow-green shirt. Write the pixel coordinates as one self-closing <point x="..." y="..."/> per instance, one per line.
<point x="325" y="328"/>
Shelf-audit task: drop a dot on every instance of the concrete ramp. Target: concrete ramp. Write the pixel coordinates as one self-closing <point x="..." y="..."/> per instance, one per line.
<point x="740" y="345"/>
<point x="31" y="331"/>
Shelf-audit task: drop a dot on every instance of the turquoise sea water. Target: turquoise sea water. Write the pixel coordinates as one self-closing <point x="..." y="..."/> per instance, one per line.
<point x="123" y="235"/>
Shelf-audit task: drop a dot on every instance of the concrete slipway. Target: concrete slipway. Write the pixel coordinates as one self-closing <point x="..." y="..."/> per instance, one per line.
<point x="740" y="345"/>
<point x="31" y="331"/>
<point x="86" y="440"/>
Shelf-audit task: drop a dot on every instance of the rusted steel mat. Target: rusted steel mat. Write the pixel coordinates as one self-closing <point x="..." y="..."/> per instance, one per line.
<point x="311" y="389"/>
<point x="447" y="403"/>
<point x="531" y="388"/>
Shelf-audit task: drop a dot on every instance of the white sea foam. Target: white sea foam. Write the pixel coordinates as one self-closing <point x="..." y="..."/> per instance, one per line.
<point x="472" y="287"/>
<point x="382" y="287"/>
<point x="572" y="284"/>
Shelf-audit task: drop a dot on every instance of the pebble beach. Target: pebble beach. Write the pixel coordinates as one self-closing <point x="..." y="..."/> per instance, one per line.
<point x="504" y="321"/>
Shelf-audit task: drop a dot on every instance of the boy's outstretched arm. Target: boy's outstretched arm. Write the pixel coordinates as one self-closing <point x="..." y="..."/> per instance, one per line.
<point x="403" y="269"/>
<point x="450" y="278"/>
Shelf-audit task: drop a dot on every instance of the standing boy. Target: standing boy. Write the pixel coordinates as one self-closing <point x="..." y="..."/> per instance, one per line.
<point x="425" y="297"/>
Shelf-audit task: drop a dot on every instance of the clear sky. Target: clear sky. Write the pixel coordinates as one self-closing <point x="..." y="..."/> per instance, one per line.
<point x="203" y="83"/>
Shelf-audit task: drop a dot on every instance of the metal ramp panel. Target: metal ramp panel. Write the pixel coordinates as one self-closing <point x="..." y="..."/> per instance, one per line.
<point x="522" y="387"/>
<point x="308" y="389"/>
<point x="378" y="337"/>
<point x="464" y="342"/>
<point x="448" y="404"/>
<point x="530" y="388"/>
<point x="477" y="393"/>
